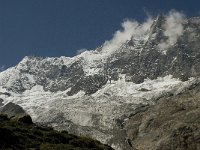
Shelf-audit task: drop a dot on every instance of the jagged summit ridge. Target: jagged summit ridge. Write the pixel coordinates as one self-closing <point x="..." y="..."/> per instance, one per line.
<point x="140" y="54"/>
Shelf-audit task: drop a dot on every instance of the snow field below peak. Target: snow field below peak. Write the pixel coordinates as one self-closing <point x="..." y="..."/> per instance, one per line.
<point x="99" y="110"/>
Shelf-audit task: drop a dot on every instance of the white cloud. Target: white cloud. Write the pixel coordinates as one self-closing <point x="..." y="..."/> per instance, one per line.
<point x="173" y="28"/>
<point x="81" y="51"/>
<point x="130" y="28"/>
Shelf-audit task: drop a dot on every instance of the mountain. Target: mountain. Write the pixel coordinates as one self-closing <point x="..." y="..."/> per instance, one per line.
<point x="98" y="92"/>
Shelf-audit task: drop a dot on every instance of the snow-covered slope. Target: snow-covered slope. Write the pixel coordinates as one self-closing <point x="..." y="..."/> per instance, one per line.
<point x="77" y="94"/>
<point x="99" y="110"/>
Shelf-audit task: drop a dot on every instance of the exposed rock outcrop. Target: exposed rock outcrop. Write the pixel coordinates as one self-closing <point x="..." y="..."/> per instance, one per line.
<point x="1" y="102"/>
<point x="12" y="109"/>
<point x="172" y="123"/>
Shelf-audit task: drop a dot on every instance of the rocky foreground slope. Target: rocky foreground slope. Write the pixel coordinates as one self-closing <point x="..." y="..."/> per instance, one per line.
<point x="159" y="59"/>
<point x="173" y="123"/>
<point x="18" y="132"/>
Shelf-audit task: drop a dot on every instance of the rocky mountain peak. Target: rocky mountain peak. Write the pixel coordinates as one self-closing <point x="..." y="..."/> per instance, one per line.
<point x="150" y="54"/>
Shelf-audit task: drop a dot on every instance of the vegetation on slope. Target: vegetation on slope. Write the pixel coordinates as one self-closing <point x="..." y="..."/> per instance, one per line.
<point x="19" y="133"/>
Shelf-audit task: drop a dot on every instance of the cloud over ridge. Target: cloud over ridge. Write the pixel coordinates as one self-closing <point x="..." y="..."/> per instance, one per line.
<point x="173" y="28"/>
<point x="130" y="28"/>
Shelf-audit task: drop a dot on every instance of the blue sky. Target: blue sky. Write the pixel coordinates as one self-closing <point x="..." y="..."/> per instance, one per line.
<point x="61" y="27"/>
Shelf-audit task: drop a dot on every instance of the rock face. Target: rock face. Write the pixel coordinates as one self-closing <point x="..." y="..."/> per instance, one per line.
<point x="152" y="62"/>
<point x="173" y="123"/>
<point x="1" y="102"/>
<point x="12" y="109"/>
<point x="94" y="93"/>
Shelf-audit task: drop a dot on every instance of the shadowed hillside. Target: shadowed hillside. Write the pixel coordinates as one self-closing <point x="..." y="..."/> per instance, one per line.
<point x="19" y="133"/>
